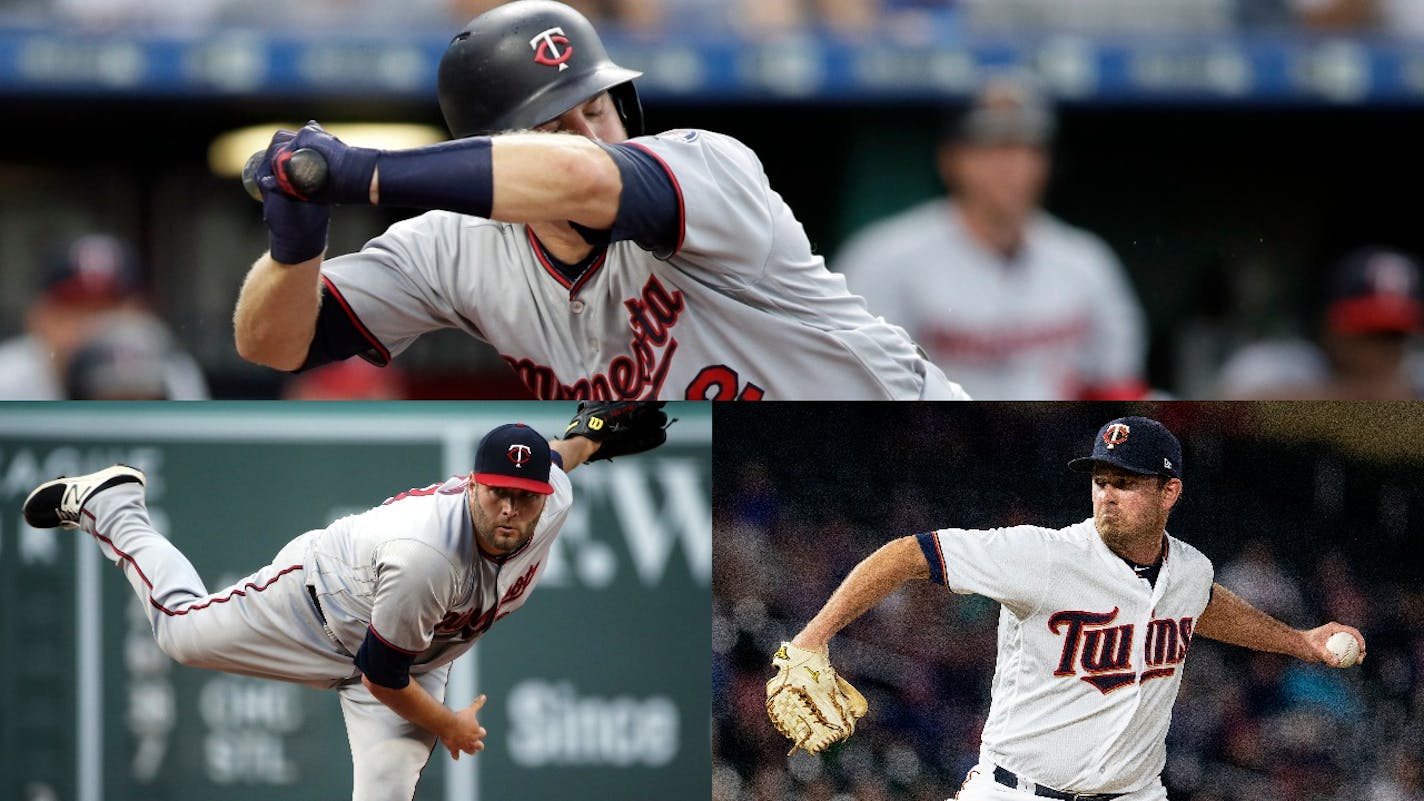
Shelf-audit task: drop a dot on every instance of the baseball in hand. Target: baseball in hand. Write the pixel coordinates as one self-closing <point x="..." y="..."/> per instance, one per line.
<point x="1343" y="645"/>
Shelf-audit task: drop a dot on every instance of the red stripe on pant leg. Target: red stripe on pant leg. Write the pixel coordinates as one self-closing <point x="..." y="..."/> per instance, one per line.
<point x="165" y="610"/>
<point x="121" y="554"/>
<point x="236" y="591"/>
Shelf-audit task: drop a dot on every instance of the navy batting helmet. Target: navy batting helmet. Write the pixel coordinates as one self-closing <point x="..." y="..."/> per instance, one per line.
<point x="523" y="64"/>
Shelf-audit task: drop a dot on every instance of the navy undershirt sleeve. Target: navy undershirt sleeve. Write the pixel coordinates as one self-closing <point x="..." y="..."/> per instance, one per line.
<point x="930" y="547"/>
<point x="337" y="336"/>
<point x="557" y="458"/>
<point x="383" y="663"/>
<point x="648" y="211"/>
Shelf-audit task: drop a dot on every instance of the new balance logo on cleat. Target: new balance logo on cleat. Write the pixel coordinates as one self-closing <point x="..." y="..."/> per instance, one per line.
<point x="69" y="505"/>
<point x="58" y="503"/>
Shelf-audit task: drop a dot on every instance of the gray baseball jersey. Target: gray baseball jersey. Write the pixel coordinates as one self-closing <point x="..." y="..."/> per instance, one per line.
<point x="408" y="570"/>
<point x="1090" y="654"/>
<point x="739" y="307"/>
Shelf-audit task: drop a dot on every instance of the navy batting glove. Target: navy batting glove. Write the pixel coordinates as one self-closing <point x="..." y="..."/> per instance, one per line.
<point x="296" y="230"/>
<point x="349" y="169"/>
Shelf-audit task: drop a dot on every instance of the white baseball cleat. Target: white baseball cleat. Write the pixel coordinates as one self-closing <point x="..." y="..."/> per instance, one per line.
<point x="58" y="503"/>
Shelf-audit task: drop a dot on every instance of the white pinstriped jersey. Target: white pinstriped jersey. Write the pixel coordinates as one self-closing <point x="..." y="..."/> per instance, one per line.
<point x="1090" y="655"/>
<point x="742" y="308"/>
<point x="1056" y="322"/>
<point x="411" y="569"/>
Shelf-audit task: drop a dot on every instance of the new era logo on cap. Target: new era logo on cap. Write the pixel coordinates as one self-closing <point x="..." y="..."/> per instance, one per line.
<point x="1137" y="445"/>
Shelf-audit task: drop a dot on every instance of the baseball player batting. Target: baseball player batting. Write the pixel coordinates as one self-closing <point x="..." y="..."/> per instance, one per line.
<point x="1095" y="624"/>
<point x="376" y="605"/>
<point x="598" y="265"/>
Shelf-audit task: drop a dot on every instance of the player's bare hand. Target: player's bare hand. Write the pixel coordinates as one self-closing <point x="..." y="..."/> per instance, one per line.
<point x="1317" y="637"/>
<point x="466" y="735"/>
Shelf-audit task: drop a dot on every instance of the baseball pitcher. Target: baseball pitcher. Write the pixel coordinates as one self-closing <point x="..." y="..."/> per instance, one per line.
<point x="1095" y="624"/>
<point x="598" y="265"/>
<point x="377" y="605"/>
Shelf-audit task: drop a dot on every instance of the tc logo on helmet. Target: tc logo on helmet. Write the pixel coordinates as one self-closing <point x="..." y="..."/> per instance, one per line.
<point x="1116" y="434"/>
<point x="519" y="454"/>
<point x="546" y="47"/>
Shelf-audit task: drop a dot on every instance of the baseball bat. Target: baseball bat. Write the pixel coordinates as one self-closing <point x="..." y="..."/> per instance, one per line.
<point x="306" y="170"/>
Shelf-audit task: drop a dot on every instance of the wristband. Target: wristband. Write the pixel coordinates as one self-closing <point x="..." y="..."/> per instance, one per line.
<point x="453" y="176"/>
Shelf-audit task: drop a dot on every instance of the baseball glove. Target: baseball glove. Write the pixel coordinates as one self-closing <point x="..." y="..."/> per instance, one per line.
<point x="620" y="427"/>
<point x="808" y="702"/>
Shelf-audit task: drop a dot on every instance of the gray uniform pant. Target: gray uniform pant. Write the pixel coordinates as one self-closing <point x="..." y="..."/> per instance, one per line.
<point x="266" y="626"/>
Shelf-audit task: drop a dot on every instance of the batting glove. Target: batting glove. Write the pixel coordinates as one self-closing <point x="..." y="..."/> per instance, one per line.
<point x="348" y="169"/>
<point x="296" y="230"/>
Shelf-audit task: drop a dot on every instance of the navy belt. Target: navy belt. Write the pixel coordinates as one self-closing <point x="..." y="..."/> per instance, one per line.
<point x="1010" y="779"/>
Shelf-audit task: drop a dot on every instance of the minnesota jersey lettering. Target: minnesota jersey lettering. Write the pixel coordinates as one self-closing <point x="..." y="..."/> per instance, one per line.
<point x="1104" y="652"/>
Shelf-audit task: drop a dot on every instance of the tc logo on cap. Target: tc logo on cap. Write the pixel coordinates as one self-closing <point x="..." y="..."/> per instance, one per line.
<point x="1116" y="434"/>
<point x="546" y="48"/>
<point x="519" y="454"/>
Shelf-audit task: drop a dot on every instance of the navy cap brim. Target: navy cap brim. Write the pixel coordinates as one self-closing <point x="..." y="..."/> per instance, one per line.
<point x="1084" y="464"/>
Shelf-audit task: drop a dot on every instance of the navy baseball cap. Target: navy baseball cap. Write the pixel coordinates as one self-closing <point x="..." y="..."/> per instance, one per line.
<point x="515" y="456"/>
<point x="1137" y="445"/>
<point x="1376" y="291"/>
<point x="96" y="267"/>
<point x="1007" y="109"/>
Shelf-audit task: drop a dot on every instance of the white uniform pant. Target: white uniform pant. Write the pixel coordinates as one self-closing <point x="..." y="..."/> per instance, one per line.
<point x="980" y="786"/>
<point x="266" y="626"/>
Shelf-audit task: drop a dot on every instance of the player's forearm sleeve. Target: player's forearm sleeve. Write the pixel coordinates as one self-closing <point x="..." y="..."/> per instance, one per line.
<point x="650" y="206"/>
<point x="453" y="176"/>
<point x="383" y="663"/>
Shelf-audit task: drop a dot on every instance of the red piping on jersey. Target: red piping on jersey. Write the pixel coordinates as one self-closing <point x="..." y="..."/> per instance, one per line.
<point x="196" y="607"/>
<point x="356" y="321"/>
<point x="572" y="286"/>
<point x="388" y="643"/>
<point x="677" y="187"/>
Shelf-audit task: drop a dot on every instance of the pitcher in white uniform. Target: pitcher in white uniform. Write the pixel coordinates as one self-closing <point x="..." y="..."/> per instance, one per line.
<point x="376" y="605"/>
<point x="1095" y="624"/>
<point x="599" y="266"/>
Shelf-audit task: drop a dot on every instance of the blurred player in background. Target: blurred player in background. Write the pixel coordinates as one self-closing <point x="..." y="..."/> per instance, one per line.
<point x="129" y="356"/>
<point x="1010" y="301"/>
<point x="93" y="278"/>
<point x="1374" y="310"/>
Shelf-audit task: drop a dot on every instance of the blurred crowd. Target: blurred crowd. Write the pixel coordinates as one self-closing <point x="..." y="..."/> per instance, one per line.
<point x="752" y="17"/>
<point x="1304" y="531"/>
<point x="90" y="332"/>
